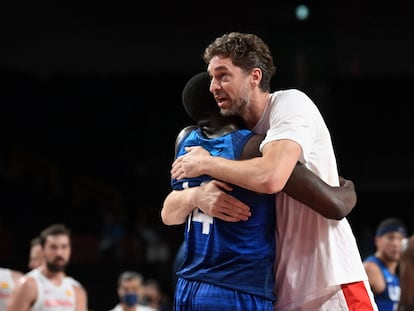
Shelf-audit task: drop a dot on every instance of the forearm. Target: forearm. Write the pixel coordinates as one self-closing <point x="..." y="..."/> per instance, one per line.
<point x="177" y="206"/>
<point x="266" y="174"/>
<point x="260" y="174"/>
<point x="250" y="174"/>
<point x="330" y="202"/>
<point x="326" y="205"/>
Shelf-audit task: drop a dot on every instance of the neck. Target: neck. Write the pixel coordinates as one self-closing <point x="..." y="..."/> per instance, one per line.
<point x="255" y="109"/>
<point x="213" y="132"/>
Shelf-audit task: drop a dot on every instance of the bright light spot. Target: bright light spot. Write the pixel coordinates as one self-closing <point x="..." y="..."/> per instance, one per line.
<point x="302" y="12"/>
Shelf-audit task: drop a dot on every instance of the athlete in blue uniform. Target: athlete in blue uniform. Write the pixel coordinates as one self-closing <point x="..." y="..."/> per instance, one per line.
<point x="229" y="265"/>
<point x="382" y="266"/>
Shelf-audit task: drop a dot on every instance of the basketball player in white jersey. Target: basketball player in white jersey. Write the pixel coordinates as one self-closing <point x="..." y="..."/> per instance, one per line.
<point x="36" y="257"/>
<point x="47" y="288"/>
<point x="8" y="281"/>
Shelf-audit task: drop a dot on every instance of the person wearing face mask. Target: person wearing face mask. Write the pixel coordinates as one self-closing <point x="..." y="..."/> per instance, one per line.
<point x="130" y="290"/>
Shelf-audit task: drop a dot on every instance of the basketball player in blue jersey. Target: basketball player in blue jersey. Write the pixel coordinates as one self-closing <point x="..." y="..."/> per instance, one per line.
<point x="228" y="264"/>
<point x="382" y="267"/>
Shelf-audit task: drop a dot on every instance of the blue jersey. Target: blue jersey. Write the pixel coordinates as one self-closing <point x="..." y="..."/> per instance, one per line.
<point x="388" y="300"/>
<point x="237" y="255"/>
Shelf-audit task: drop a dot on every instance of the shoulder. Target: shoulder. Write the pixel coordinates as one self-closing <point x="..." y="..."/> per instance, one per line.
<point x="34" y="274"/>
<point x="292" y="102"/>
<point x="185" y="131"/>
<point x="371" y="259"/>
<point x="73" y="281"/>
<point x="27" y="286"/>
<point x="78" y="288"/>
<point x="183" y="134"/>
<point x="28" y="280"/>
<point x="290" y="95"/>
<point x="16" y="275"/>
<point x="371" y="266"/>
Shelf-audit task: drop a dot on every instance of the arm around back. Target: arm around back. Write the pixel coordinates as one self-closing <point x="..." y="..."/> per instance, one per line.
<point x="306" y="187"/>
<point x="331" y="202"/>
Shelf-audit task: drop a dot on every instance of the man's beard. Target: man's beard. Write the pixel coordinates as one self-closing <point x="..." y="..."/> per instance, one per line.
<point x="238" y="107"/>
<point x="53" y="267"/>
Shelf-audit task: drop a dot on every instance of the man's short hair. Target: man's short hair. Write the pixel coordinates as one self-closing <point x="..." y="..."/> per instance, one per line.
<point x="128" y="276"/>
<point x="55" y="229"/>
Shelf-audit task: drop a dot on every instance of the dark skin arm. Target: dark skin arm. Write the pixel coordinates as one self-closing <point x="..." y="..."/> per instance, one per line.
<point x="330" y="202"/>
<point x="306" y="187"/>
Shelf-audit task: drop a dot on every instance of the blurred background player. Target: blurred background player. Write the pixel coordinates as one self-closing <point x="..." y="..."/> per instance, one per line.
<point x="381" y="267"/>
<point x="131" y="292"/>
<point x="8" y="280"/>
<point x="48" y="284"/>
<point x="36" y="257"/>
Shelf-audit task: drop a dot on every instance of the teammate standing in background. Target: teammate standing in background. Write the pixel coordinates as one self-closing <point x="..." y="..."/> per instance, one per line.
<point x="8" y="281"/>
<point x="48" y="287"/>
<point x="36" y="257"/>
<point x="382" y="266"/>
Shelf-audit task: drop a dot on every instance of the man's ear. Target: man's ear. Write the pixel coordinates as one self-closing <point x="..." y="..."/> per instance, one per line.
<point x="256" y="76"/>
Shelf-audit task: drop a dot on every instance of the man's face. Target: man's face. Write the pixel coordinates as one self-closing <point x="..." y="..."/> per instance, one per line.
<point x="389" y="245"/>
<point x="57" y="252"/>
<point x="133" y="286"/>
<point x="230" y="86"/>
<point x="36" y="258"/>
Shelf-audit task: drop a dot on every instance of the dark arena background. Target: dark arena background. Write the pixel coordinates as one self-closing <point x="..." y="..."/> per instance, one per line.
<point x="90" y="106"/>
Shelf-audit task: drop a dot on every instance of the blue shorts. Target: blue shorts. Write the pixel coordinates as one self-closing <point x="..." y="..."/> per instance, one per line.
<point x="199" y="296"/>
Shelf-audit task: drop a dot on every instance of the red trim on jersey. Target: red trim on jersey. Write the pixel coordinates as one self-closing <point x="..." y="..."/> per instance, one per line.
<point x="357" y="297"/>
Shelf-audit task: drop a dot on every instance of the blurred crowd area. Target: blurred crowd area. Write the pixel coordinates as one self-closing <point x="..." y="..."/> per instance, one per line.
<point x="107" y="237"/>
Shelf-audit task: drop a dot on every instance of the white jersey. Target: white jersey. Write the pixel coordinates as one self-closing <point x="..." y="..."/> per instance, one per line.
<point x="51" y="297"/>
<point x="314" y="254"/>
<point x="6" y="287"/>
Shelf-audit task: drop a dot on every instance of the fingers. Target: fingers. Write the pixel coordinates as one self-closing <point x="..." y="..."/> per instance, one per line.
<point x="229" y="218"/>
<point x="222" y="205"/>
<point x="189" y="165"/>
<point x="176" y="168"/>
<point x="235" y="209"/>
